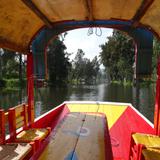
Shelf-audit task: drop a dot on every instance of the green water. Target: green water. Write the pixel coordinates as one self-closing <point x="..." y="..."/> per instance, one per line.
<point x="47" y="98"/>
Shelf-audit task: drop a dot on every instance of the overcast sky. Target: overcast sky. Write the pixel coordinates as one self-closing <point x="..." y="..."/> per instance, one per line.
<point x="78" y="39"/>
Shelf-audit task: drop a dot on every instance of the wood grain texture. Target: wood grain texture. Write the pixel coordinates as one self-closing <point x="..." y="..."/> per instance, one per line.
<point x="14" y="151"/>
<point x="80" y="135"/>
<point x="92" y="147"/>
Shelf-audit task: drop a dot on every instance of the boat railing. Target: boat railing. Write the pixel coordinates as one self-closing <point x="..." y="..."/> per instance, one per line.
<point x="5" y="121"/>
<point x="18" y="119"/>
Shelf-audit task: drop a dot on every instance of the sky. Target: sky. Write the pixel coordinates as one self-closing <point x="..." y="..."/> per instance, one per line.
<point x="78" y="39"/>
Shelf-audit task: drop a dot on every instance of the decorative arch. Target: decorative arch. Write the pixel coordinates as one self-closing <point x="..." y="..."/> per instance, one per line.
<point x="143" y="43"/>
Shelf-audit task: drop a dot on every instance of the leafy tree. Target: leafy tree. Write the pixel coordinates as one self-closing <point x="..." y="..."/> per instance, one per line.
<point x="156" y="54"/>
<point x="83" y="69"/>
<point x="117" y="56"/>
<point x="9" y="64"/>
<point x="58" y="61"/>
<point x="78" y="66"/>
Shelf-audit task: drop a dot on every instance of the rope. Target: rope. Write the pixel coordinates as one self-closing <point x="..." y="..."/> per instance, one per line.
<point x="98" y="31"/>
<point x="90" y="31"/>
<point x="99" y="34"/>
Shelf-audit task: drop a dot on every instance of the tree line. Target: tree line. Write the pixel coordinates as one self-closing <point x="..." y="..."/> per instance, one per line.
<point x="117" y="57"/>
<point x="63" y="71"/>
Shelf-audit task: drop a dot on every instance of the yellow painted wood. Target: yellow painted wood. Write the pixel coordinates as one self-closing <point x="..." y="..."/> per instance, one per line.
<point x="32" y="134"/>
<point x="151" y="154"/>
<point x="19" y="119"/>
<point x="19" y="110"/>
<point x="147" y="140"/>
<point x="70" y="136"/>
<point x="83" y="107"/>
<point x="112" y="112"/>
<point x="20" y="124"/>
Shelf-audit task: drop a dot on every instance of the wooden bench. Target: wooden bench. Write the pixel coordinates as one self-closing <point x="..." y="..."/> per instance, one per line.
<point x="151" y="154"/>
<point x="79" y="136"/>
<point x="144" y="146"/>
<point x="16" y="151"/>
<point x="18" y="119"/>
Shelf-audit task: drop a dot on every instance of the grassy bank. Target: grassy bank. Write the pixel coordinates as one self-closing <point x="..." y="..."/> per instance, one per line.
<point x="7" y="85"/>
<point x="129" y="83"/>
<point x="126" y="83"/>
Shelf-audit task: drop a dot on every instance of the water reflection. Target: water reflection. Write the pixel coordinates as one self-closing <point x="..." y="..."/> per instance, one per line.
<point x="10" y="99"/>
<point x="48" y="98"/>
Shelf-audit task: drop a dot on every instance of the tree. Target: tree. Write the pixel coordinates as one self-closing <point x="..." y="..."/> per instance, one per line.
<point x="83" y="69"/>
<point x="117" y="56"/>
<point x="78" y="66"/>
<point x="9" y="64"/>
<point x="58" y="61"/>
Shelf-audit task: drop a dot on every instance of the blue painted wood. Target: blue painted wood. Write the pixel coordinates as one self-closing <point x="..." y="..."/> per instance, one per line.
<point x="71" y="156"/>
<point x="142" y="37"/>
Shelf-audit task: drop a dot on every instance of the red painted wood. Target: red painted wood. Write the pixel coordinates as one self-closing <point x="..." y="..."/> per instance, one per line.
<point x="2" y="127"/>
<point x="157" y="102"/>
<point x="12" y="124"/>
<point x="108" y="147"/>
<point x="52" y="117"/>
<point x="120" y="132"/>
<point x="30" y="88"/>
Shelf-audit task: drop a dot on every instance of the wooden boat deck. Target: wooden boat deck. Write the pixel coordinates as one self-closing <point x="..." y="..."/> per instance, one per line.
<point x="14" y="151"/>
<point x="79" y="136"/>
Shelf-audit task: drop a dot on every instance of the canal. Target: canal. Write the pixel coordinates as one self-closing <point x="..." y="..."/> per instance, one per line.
<point x="48" y="98"/>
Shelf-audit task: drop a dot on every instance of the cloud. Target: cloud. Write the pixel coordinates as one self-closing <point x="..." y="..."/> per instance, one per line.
<point x="78" y="38"/>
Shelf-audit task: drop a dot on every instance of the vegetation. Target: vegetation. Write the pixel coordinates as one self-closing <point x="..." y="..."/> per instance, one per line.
<point x="58" y="62"/>
<point x="10" y="65"/>
<point x="156" y="54"/>
<point x="83" y="69"/>
<point x="117" y="56"/>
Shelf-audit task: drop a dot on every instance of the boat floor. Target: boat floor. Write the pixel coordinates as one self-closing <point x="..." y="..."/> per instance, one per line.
<point x="79" y="136"/>
<point x="14" y="151"/>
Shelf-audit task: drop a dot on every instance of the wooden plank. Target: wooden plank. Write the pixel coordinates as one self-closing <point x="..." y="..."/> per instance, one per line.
<point x="19" y="119"/>
<point x="19" y="110"/>
<point x="112" y="112"/>
<point x="14" y="151"/>
<point x="19" y="124"/>
<point x="141" y="11"/>
<point x="79" y="135"/>
<point x="38" y="12"/>
<point x="92" y="146"/>
<point x="65" y="138"/>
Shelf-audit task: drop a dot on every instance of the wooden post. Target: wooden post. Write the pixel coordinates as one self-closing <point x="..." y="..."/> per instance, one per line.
<point x="2" y="127"/>
<point x="25" y="112"/>
<point x="157" y="102"/>
<point x="30" y="88"/>
<point x="12" y="123"/>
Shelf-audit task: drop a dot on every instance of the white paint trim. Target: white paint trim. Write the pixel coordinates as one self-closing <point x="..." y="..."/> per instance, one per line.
<point x="49" y="112"/>
<point x="142" y="116"/>
<point x="97" y="102"/>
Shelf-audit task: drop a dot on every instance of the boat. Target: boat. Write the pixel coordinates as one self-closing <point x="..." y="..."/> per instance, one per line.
<point x="78" y="130"/>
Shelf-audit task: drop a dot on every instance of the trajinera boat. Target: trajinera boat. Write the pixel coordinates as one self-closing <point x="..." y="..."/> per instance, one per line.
<point x="78" y="130"/>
